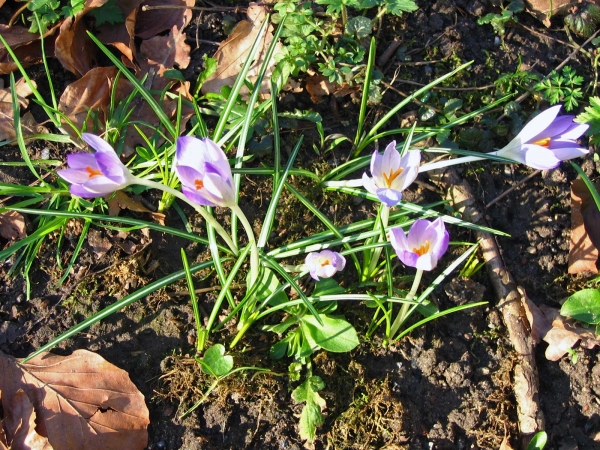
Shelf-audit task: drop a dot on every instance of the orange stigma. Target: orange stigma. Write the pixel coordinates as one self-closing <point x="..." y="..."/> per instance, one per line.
<point x="92" y="173"/>
<point x="325" y="262"/>
<point x="199" y="184"/>
<point x="422" y="249"/>
<point x="389" y="178"/>
<point x="544" y="142"/>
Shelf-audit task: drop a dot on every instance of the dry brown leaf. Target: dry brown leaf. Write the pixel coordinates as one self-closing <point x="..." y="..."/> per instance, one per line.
<point x="91" y="92"/>
<point x="19" y="423"/>
<point x="168" y="50"/>
<point x="74" y="49"/>
<point x="318" y="86"/>
<point x="233" y="52"/>
<point x="543" y="10"/>
<point x="583" y="254"/>
<point x="122" y="201"/>
<point x="538" y="322"/>
<point x="155" y="21"/>
<point x="12" y="225"/>
<point x="7" y="121"/>
<point x="25" y="45"/>
<point x="82" y="402"/>
<point x="99" y="244"/>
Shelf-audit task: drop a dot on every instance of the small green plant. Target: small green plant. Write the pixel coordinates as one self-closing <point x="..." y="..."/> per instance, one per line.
<point x="50" y="12"/>
<point x="506" y="16"/>
<point x="562" y="87"/>
<point x="591" y="116"/>
<point x="584" y="20"/>
<point x="516" y="82"/>
<point x="538" y="442"/>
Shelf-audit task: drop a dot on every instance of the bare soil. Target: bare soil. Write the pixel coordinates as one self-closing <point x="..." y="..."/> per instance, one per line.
<point x="447" y="385"/>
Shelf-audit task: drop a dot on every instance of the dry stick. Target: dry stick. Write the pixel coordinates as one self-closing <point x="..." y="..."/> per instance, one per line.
<point x="512" y="188"/>
<point x="526" y="383"/>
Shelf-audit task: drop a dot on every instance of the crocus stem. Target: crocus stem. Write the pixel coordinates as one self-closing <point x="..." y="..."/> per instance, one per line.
<point x="453" y="162"/>
<point x="208" y="217"/>
<point x="254" y="260"/>
<point x="404" y="310"/>
<point x="384" y="217"/>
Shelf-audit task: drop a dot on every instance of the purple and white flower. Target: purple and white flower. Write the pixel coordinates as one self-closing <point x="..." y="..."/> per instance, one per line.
<point x="424" y="245"/>
<point x="324" y="264"/>
<point x="204" y="172"/>
<point x="95" y="174"/>
<point x="546" y="141"/>
<point x="391" y="174"/>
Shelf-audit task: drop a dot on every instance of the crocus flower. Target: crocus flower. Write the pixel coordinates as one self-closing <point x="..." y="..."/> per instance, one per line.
<point x="424" y="246"/>
<point x="324" y="264"/>
<point x="546" y="141"/>
<point x="204" y="172"/>
<point x="391" y="174"/>
<point x="95" y="174"/>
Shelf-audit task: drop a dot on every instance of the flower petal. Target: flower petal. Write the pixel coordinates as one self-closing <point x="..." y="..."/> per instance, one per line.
<point x="196" y="196"/>
<point x="389" y="197"/>
<point x="539" y="157"/>
<point x="369" y="184"/>
<point x="538" y="124"/>
<point x="408" y="258"/>
<point x="81" y="161"/>
<point x="97" y="143"/>
<point x="426" y="262"/>
<point x="398" y="239"/>
<point x="188" y="176"/>
<point x="111" y="167"/>
<point x="218" y="190"/>
<point x="74" y="176"/>
<point x="80" y="191"/>
<point x="102" y="185"/>
<point x="417" y="235"/>
<point x="566" y="153"/>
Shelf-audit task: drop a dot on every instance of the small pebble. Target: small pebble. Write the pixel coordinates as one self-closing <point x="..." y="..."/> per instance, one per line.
<point x="531" y="250"/>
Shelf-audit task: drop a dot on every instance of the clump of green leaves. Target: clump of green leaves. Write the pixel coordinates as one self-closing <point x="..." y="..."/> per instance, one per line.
<point x="50" y="12"/>
<point x="584" y="20"/>
<point x="506" y="16"/>
<point x="562" y="87"/>
<point x="311" y="39"/>
<point x="591" y="116"/>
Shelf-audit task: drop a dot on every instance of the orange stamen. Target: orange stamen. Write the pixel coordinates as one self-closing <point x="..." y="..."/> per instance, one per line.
<point x="422" y="249"/>
<point x="199" y="184"/>
<point x="92" y="173"/>
<point x="544" y="142"/>
<point x="392" y="176"/>
<point x="325" y="262"/>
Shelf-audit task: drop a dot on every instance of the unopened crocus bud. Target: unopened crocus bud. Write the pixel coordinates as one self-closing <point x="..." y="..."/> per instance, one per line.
<point x="324" y="264"/>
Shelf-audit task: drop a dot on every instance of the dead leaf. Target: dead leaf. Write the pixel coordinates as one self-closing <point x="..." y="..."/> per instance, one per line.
<point x="19" y="423"/>
<point x="12" y="225"/>
<point x="81" y="401"/>
<point x="583" y="254"/>
<point x="318" y="86"/>
<point x="155" y="21"/>
<point x="543" y="10"/>
<point x="233" y="52"/>
<point x="99" y="244"/>
<point x="560" y="333"/>
<point x="91" y="92"/>
<point x="168" y="50"/>
<point x="7" y="121"/>
<point x="25" y="45"/>
<point x="122" y="201"/>
<point x="74" y="49"/>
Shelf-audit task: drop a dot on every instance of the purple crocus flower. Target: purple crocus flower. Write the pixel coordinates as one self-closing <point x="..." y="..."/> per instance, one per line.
<point x="95" y="174"/>
<point x="324" y="264"/>
<point x="546" y="141"/>
<point x="204" y="172"/>
<point x="424" y="246"/>
<point x="391" y="174"/>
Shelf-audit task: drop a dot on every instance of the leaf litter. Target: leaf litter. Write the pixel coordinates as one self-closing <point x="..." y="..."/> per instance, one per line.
<point x="80" y="400"/>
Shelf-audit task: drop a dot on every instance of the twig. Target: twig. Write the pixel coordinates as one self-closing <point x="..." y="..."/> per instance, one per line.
<point x="526" y="384"/>
<point x="512" y="188"/>
<point x="196" y="8"/>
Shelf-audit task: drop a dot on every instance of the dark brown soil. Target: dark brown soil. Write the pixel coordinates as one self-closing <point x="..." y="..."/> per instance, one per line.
<point x="446" y="386"/>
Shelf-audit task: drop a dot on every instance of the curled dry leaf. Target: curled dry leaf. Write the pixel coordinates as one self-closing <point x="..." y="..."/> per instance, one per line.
<point x="122" y="201"/>
<point x="318" y="86"/>
<point x="26" y="46"/>
<point x="19" y="423"/>
<point x="153" y="22"/>
<point x="544" y="10"/>
<point x="167" y="51"/>
<point x="560" y="333"/>
<point x="7" y="120"/>
<point x="81" y="401"/>
<point x="585" y="232"/>
<point x="12" y="225"/>
<point x="232" y="53"/>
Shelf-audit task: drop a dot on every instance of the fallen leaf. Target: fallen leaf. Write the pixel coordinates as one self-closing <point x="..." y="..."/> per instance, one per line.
<point x="233" y="52"/>
<point x="19" y="422"/>
<point x="25" y="45"/>
<point x="538" y="322"/>
<point x="81" y="401"/>
<point x="73" y="48"/>
<point x="12" y="225"/>
<point x="543" y="10"/>
<point x="122" y="201"/>
<point x="155" y="21"/>
<point x="168" y="50"/>
<point x="318" y="86"/>
<point x="583" y="254"/>
<point x="99" y="244"/>
<point x="7" y="120"/>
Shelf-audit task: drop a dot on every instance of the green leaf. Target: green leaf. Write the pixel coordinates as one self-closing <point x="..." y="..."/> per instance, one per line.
<point x="397" y="7"/>
<point x="327" y="286"/>
<point x="360" y="26"/>
<point x="267" y="284"/>
<point x="109" y="13"/>
<point x="538" y="442"/>
<point x="215" y="361"/>
<point x="311" y="416"/>
<point x="584" y="306"/>
<point x="336" y="335"/>
<point x="210" y="65"/>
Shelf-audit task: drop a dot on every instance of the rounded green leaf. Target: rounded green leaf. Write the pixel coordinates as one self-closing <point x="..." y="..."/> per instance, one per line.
<point x="336" y="335"/>
<point x="216" y="362"/>
<point x="584" y="306"/>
